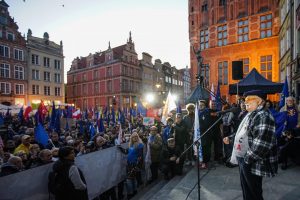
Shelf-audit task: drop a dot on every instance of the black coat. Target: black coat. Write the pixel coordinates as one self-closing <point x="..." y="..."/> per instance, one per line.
<point x="68" y="190"/>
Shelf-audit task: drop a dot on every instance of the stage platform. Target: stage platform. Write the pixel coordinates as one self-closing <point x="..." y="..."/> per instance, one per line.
<point x="222" y="183"/>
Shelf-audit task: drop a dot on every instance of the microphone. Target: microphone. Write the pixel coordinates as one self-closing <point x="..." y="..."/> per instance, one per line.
<point x="233" y="109"/>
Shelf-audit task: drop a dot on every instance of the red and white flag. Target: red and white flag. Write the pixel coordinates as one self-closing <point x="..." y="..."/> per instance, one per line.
<point x="77" y="114"/>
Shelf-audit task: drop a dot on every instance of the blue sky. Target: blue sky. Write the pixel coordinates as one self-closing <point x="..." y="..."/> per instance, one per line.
<point x="159" y="27"/>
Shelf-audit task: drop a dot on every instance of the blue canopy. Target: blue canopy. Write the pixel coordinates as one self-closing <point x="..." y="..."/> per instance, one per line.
<point x="199" y="93"/>
<point x="255" y="81"/>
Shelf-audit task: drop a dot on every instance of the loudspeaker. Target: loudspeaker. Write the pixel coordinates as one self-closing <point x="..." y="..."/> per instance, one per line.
<point x="237" y="70"/>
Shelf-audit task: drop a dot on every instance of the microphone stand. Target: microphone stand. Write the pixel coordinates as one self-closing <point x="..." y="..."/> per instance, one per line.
<point x="197" y="143"/>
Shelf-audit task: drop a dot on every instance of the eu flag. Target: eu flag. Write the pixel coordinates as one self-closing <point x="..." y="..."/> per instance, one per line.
<point x="101" y="125"/>
<point x="284" y="93"/>
<point x="53" y="117"/>
<point x="41" y="135"/>
<point x="20" y="114"/>
<point x="218" y="98"/>
<point x="1" y="119"/>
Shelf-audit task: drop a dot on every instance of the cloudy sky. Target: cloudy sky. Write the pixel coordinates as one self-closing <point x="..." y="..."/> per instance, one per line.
<point x="159" y="27"/>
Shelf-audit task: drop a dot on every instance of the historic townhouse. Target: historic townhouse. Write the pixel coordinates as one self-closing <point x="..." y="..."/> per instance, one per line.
<point x="13" y="66"/>
<point x="45" y="70"/>
<point x="106" y="78"/>
<point x="229" y="30"/>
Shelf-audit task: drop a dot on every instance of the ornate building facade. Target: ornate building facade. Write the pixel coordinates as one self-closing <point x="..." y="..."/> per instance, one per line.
<point x="228" y="30"/>
<point x="45" y="70"/>
<point x="106" y="78"/>
<point x="13" y="66"/>
<point x="186" y="77"/>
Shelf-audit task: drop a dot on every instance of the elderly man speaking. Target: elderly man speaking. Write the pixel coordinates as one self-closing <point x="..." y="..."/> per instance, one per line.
<point x="255" y="147"/>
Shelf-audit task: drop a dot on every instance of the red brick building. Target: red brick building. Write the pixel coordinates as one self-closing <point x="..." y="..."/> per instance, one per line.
<point x="13" y="66"/>
<point x="229" y="30"/>
<point x="104" y="77"/>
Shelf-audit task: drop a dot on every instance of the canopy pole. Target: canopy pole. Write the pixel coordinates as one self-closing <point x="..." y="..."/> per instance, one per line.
<point x="237" y="92"/>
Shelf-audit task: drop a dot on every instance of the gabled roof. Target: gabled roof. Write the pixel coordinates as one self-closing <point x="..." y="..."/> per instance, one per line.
<point x="3" y="3"/>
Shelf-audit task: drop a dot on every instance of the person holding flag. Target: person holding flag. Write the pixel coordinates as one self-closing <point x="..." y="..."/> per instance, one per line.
<point x="205" y="122"/>
<point x="189" y="121"/>
<point x="197" y="152"/>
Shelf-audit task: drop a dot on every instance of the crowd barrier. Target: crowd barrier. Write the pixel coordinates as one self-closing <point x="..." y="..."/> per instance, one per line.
<point x="102" y="170"/>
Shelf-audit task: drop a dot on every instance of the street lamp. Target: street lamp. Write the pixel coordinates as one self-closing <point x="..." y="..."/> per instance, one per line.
<point x="150" y="97"/>
<point x="157" y="85"/>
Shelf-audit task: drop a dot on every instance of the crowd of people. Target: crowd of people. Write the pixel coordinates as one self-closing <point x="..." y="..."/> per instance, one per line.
<point x="151" y="150"/>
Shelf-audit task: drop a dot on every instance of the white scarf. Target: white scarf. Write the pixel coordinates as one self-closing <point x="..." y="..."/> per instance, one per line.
<point x="241" y="143"/>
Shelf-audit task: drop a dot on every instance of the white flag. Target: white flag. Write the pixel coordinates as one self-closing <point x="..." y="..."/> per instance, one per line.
<point x="212" y="95"/>
<point x="169" y="106"/>
<point x="120" y="136"/>
<point x="197" y="134"/>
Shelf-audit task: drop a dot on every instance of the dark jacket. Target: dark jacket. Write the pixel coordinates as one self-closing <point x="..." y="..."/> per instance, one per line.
<point x="180" y="134"/>
<point x="8" y="169"/>
<point x="68" y="190"/>
<point x="167" y="153"/>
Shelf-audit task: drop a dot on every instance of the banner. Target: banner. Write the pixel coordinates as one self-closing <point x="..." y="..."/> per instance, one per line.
<point x="102" y="170"/>
<point x="148" y="121"/>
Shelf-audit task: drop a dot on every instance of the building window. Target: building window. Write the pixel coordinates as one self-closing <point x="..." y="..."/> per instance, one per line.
<point x="266" y="67"/>
<point x="3" y="20"/>
<point x="4" y="70"/>
<point x="109" y="86"/>
<point x="266" y="26"/>
<point x="47" y="76"/>
<point x="57" y="91"/>
<point x="20" y="89"/>
<point x="96" y="88"/>
<point x="109" y="72"/>
<point x="74" y="91"/>
<point x="19" y="54"/>
<point x="4" y="51"/>
<point x="282" y="13"/>
<point x="74" y="78"/>
<point x="246" y="66"/>
<point x="35" y="74"/>
<point x="19" y="72"/>
<point x="84" y="77"/>
<point x="46" y="62"/>
<point x="222" y="2"/>
<point x="47" y="90"/>
<point x="96" y="74"/>
<point x="204" y="8"/>
<point x="84" y="91"/>
<point x="35" y="59"/>
<point x="205" y="73"/>
<point x="204" y="39"/>
<point x="57" y="78"/>
<point x="222" y="35"/>
<point x="10" y="36"/>
<point x="84" y="104"/>
<point x="35" y="89"/>
<point x="5" y="88"/>
<point x="288" y="40"/>
<point x="223" y="73"/>
<point x="243" y="31"/>
<point x="131" y="86"/>
<point x="57" y="64"/>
